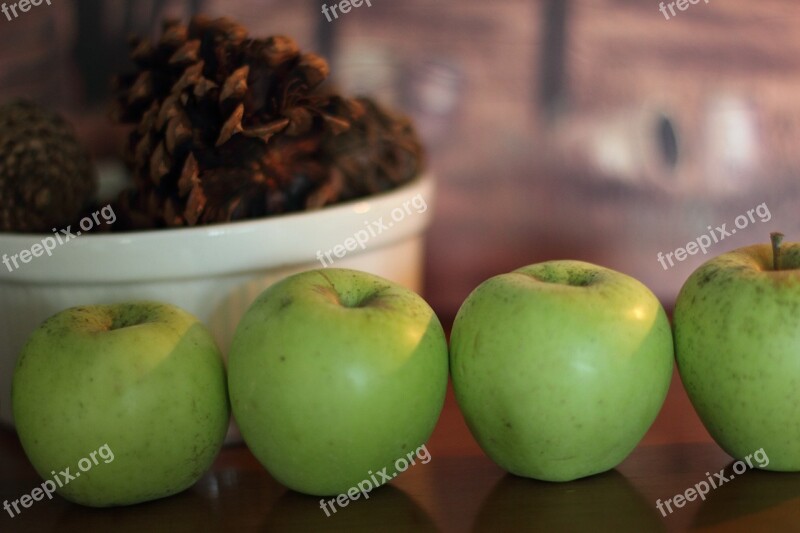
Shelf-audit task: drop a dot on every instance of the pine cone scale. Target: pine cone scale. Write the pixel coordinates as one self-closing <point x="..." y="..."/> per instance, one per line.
<point x="235" y="87"/>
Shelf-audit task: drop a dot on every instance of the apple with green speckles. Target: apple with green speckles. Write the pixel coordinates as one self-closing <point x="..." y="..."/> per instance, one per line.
<point x="737" y="344"/>
<point x="560" y="367"/>
<point x="334" y="375"/>
<point x="143" y="378"/>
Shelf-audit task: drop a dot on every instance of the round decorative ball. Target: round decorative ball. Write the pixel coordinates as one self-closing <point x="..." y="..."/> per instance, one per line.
<point x="46" y="175"/>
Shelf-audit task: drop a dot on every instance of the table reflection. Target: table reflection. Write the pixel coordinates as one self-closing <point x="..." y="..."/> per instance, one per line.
<point x="607" y="502"/>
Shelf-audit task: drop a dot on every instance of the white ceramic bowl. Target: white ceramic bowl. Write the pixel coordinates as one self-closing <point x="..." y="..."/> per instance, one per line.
<point x="214" y="272"/>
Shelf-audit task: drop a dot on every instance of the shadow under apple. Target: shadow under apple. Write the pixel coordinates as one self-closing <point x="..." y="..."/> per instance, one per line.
<point x="191" y="510"/>
<point x="243" y="492"/>
<point x="607" y="499"/>
<point x="387" y="507"/>
<point x="750" y="497"/>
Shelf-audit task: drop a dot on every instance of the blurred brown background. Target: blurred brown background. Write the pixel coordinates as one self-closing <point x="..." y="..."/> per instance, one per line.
<point x="596" y="130"/>
<point x="588" y="129"/>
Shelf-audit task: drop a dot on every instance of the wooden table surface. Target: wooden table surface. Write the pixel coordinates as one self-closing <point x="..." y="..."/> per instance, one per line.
<point x="458" y="490"/>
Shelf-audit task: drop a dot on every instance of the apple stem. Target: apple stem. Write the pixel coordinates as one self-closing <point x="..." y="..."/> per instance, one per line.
<point x="777" y="239"/>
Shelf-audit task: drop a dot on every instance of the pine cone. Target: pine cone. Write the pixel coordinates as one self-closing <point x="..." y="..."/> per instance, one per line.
<point x="46" y="176"/>
<point x="230" y="127"/>
<point x="380" y="150"/>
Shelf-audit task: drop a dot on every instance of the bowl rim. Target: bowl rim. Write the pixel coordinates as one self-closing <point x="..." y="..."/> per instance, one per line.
<point x="236" y="225"/>
<point x="218" y="249"/>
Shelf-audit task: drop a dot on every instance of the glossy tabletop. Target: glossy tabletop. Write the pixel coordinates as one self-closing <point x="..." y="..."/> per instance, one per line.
<point x="458" y="490"/>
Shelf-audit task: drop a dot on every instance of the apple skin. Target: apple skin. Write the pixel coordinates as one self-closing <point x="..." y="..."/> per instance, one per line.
<point x="560" y="367"/>
<point x="737" y="343"/>
<point x="146" y="378"/>
<point x="334" y="374"/>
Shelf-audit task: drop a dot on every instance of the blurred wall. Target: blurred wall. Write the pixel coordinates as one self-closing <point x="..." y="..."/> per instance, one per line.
<point x="596" y="130"/>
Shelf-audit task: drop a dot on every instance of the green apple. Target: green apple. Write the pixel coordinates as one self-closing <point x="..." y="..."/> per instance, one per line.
<point x="560" y="367"/>
<point x="143" y="379"/>
<point x="335" y="375"/>
<point x="737" y="342"/>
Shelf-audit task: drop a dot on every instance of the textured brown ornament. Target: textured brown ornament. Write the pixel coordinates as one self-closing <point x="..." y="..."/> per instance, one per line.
<point x="46" y="175"/>
<point x="230" y="127"/>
